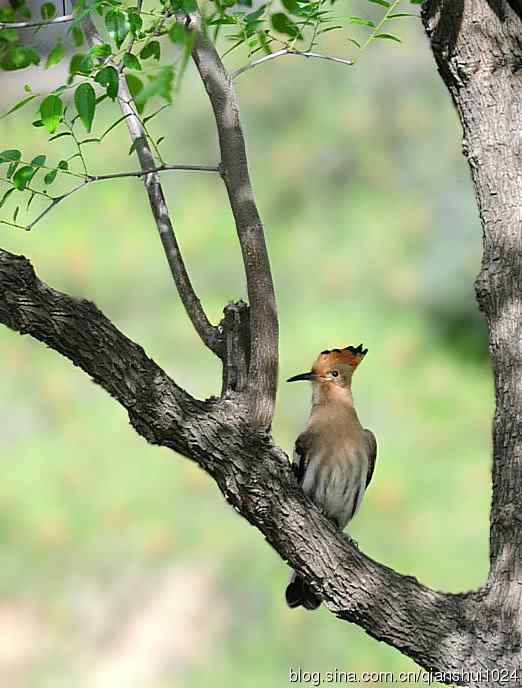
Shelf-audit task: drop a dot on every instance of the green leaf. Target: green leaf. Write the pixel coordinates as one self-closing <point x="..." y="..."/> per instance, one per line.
<point x="47" y="10"/>
<point x="77" y="35"/>
<point x="117" y="25"/>
<point x="11" y="169"/>
<point x="60" y="136"/>
<point x="403" y="14"/>
<point x="101" y="51"/>
<point x="388" y="37"/>
<point x="189" y="6"/>
<point x="19" y="57"/>
<point x="108" y="77"/>
<point x="114" y="124"/>
<point x="136" y="143"/>
<point x="9" y="36"/>
<point x="284" y="24"/>
<point x="135" y="87"/>
<point x="50" y="177"/>
<point x="352" y="40"/>
<point x="56" y="55"/>
<point x="131" y="61"/>
<point x="263" y="42"/>
<point x="151" y="116"/>
<point x="152" y="49"/>
<point x="135" y="20"/>
<point x="23" y="176"/>
<point x="81" y="63"/>
<point x="6" y="14"/>
<point x="177" y="33"/>
<point x="85" y="102"/>
<point x="160" y="84"/>
<point x="51" y="109"/>
<point x="382" y="3"/>
<point x="6" y="196"/>
<point x="31" y="197"/>
<point x="253" y="17"/>
<point x="329" y="28"/>
<point x="39" y="161"/>
<point x="15" y="214"/>
<point x="19" y="105"/>
<point x="361" y="22"/>
<point x="63" y="165"/>
<point x="292" y="6"/>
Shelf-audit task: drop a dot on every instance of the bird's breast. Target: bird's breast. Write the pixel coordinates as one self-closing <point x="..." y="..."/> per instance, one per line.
<point x="335" y="480"/>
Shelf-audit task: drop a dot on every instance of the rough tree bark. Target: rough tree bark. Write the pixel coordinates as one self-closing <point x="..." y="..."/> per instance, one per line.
<point x="472" y="638"/>
<point x="477" y="45"/>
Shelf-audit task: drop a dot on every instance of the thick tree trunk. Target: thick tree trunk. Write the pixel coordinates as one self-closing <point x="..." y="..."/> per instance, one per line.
<point x="477" y="45"/>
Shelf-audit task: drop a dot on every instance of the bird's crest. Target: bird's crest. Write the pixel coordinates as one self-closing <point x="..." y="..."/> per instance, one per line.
<point x="350" y="355"/>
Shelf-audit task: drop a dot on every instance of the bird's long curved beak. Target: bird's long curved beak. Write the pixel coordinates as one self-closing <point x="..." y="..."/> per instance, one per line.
<point x="301" y="376"/>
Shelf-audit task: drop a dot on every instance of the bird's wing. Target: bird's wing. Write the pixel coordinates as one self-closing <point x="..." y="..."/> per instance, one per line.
<point x="372" y="454"/>
<point x="302" y="445"/>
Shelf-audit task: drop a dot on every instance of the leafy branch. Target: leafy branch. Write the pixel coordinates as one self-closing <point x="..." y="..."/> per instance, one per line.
<point x="19" y="181"/>
<point x="287" y="51"/>
<point x="128" y="55"/>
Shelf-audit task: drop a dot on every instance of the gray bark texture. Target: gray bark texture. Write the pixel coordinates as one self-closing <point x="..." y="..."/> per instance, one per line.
<point x="477" y="45"/>
<point x="472" y="638"/>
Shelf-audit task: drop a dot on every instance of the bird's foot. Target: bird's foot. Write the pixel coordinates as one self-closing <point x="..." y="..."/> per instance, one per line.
<point x="351" y="540"/>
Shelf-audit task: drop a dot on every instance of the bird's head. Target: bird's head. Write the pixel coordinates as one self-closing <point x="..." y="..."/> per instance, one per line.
<point x="333" y="368"/>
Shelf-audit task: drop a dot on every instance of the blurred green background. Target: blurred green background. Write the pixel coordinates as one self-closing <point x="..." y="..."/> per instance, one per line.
<point x="121" y="565"/>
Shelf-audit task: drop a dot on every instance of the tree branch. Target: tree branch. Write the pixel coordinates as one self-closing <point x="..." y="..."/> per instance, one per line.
<point x="161" y="168"/>
<point x="262" y="383"/>
<point x="282" y="53"/>
<point x="208" y="333"/>
<point x="436" y="629"/>
<point x="90" y="178"/>
<point x="33" y="25"/>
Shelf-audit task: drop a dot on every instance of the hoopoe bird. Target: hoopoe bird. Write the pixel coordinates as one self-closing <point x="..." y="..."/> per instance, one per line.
<point x="334" y="457"/>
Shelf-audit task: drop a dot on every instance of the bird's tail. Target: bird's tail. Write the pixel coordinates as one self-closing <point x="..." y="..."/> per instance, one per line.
<point x="299" y="594"/>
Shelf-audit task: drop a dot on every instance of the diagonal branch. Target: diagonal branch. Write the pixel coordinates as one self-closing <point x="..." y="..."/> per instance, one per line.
<point x="261" y="296"/>
<point x="208" y="333"/>
<point x="436" y="629"/>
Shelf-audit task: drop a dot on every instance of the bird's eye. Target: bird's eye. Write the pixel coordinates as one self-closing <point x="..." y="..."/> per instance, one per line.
<point x="334" y="373"/>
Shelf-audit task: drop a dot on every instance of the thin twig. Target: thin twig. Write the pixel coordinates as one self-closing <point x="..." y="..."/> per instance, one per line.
<point x="288" y="51"/>
<point x="5" y="180"/>
<point x="379" y="26"/>
<point x="89" y="179"/>
<point x="54" y="202"/>
<point x="70" y="127"/>
<point x="12" y="224"/>
<point x="32" y="25"/>
<point x="161" y="168"/>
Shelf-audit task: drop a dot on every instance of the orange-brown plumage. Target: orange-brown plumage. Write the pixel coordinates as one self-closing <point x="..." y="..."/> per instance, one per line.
<point x="349" y="356"/>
